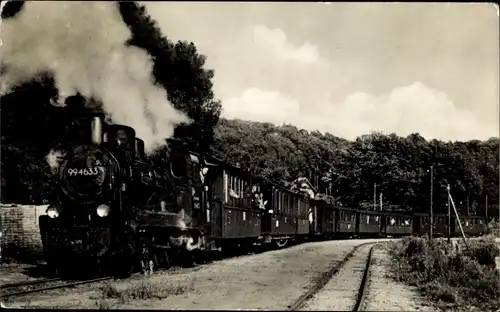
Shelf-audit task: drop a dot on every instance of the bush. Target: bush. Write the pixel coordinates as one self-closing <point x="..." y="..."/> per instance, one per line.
<point x="447" y="276"/>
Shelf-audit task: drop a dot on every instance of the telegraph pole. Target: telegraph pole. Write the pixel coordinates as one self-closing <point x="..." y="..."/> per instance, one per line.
<point x="449" y="214"/>
<point x="375" y="197"/>
<point x="431" y="203"/>
<point x="381" y="195"/>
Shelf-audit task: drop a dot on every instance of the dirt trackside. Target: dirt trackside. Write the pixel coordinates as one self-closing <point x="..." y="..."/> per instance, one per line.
<point x="270" y="280"/>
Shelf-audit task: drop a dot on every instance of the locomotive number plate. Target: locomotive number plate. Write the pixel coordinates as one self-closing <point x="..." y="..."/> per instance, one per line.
<point x="85" y="172"/>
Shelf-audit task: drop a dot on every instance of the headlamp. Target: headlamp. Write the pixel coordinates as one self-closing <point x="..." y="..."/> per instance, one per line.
<point x="52" y="212"/>
<point x="102" y="211"/>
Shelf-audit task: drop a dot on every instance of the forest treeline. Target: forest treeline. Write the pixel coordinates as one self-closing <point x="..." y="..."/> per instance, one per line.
<point x="353" y="171"/>
<point x="346" y="170"/>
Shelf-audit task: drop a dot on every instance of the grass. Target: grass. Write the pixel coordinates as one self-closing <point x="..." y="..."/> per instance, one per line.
<point x="452" y="279"/>
<point x="143" y="291"/>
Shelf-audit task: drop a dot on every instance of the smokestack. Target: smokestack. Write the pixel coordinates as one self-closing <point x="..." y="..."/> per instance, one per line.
<point x="96" y="130"/>
<point x="139" y="148"/>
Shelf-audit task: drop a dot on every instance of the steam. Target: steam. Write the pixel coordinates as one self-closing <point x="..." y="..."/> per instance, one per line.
<point x="185" y="239"/>
<point x="54" y="158"/>
<point x="83" y="45"/>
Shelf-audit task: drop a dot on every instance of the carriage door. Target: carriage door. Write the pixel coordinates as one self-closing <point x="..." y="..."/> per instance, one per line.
<point x="416" y="225"/>
<point x="358" y="221"/>
<point x="383" y="224"/>
<point x="216" y="219"/>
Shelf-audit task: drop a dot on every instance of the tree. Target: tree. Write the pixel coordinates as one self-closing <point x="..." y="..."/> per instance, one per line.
<point x="179" y="68"/>
<point x="399" y="166"/>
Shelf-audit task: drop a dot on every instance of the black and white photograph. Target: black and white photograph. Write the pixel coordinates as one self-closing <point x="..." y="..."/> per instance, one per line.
<point x="293" y="156"/>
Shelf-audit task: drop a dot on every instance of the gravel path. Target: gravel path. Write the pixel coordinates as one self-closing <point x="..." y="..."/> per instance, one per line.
<point x="384" y="294"/>
<point x="340" y="293"/>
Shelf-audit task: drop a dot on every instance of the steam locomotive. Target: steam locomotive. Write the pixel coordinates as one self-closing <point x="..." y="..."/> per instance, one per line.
<point x="117" y="210"/>
<point x="114" y="205"/>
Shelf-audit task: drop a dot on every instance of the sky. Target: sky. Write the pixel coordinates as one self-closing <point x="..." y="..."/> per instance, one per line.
<point x="349" y="68"/>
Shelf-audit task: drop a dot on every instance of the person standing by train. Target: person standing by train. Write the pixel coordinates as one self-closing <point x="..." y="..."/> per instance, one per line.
<point x="311" y="220"/>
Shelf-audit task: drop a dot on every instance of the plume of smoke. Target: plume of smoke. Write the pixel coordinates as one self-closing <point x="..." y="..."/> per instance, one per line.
<point x="83" y="45"/>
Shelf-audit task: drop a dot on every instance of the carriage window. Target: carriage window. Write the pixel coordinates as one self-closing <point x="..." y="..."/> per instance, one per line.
<point x="282" y="206"/>
<point x="280" y="198"/>
<point x="275" y="199"/>
<point x="242" y="188"/>
<point x="277" y="194"/>
<point x="231" y="186"/>
<point x="226" y="186"/>
<point x="236" y="187"/>
<point x="233" y="189"/>
<point x="283" y="203"/>
<point x="286" y="203"/>
<point x="246" y="192"/>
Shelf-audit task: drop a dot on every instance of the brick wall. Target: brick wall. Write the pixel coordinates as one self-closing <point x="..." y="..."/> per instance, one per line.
<point x="20" y="229"/>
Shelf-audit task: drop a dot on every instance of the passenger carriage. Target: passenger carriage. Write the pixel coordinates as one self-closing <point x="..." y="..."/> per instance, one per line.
<point x="235" y="218"/>
<point x="396" y="224"/>
<point x="369" y="223"/>
<point x="285" y="215"/>
<point x="346" y="224"/>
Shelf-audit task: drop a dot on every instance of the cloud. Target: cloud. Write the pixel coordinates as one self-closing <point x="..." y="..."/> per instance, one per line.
<point x="404" y="110"/>
<point x="275" y="42"/>
<point x="264" y="106"/>
<point x="271" y="64"/>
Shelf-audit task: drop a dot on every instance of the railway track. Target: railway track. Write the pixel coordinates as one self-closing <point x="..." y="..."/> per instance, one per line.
<point x="348" y="281"/>
<point x="36" y="286"/>
<point x="47" y="284"/>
